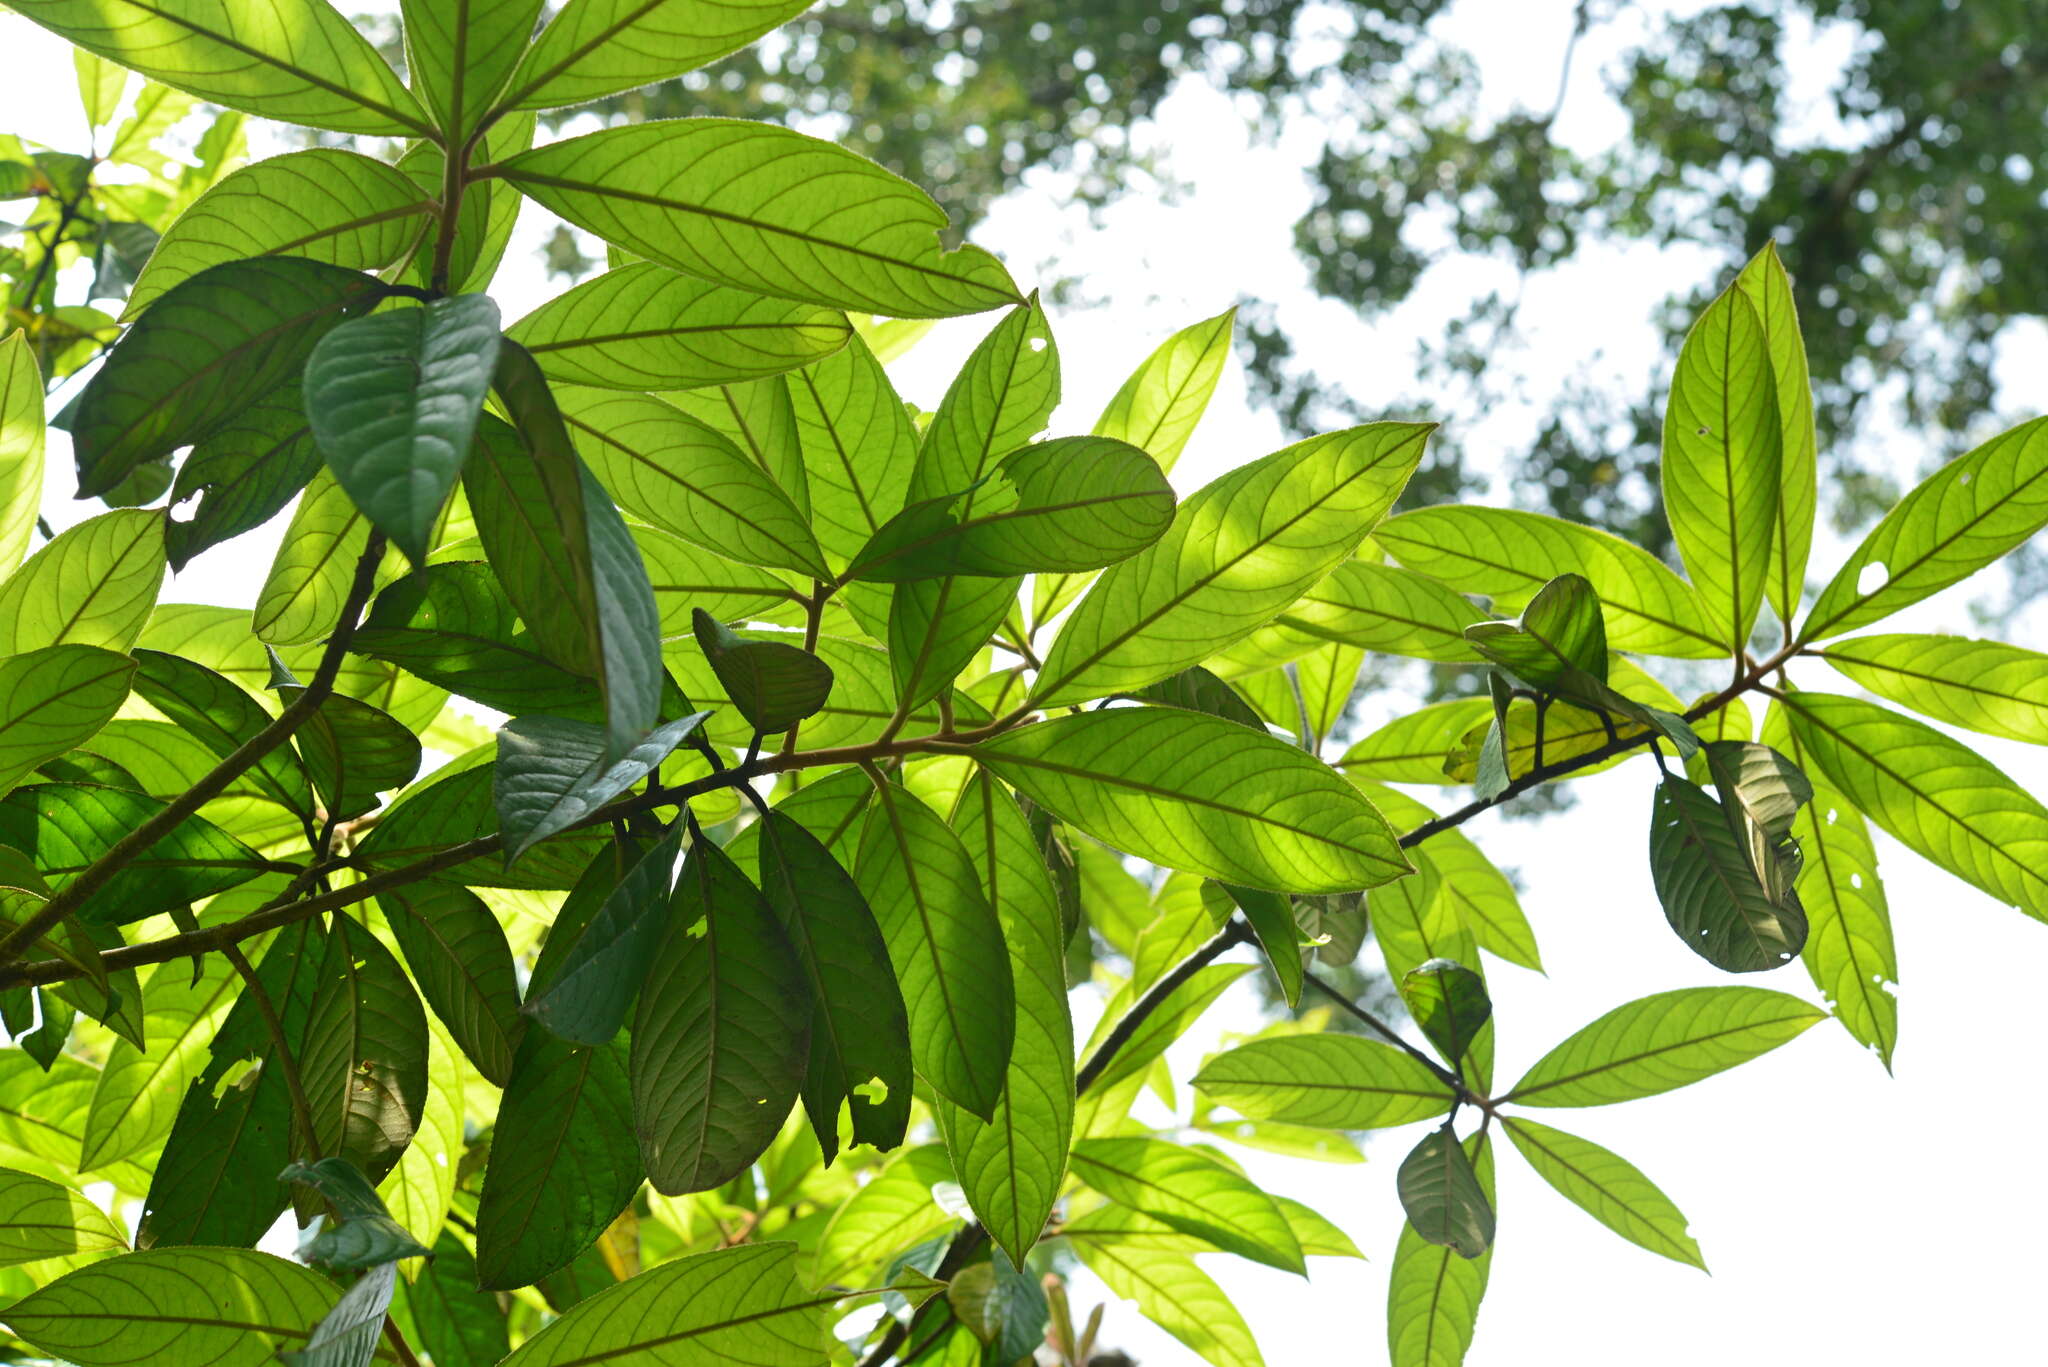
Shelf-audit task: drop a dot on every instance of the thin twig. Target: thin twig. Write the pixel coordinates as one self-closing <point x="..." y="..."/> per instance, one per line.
<point x="1444" y="1075"/>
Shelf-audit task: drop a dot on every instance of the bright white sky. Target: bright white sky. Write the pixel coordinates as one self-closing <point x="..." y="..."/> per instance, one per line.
<point x="1835" y="1205"/>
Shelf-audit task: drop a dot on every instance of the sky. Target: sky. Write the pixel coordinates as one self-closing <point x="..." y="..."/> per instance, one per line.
<point x="1847" y="1215"/>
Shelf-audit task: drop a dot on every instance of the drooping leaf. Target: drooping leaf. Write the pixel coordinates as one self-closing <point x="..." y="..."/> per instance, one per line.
<point x="1202" y="794"/>
<point x="1339" y="1081"/>
<point x="420" y="1191"/>
<point x="1956" y="521"/>
<point x="92" y="585"/>
<point x="53" y="700"/>
<point x="1723" y="460"/>
<point x="242" y="475"/>
<point x="353" y="752"/>
<point x="364" y="1061"/>
<point x="41" y="1219"/>
<point x="442" y="1312"/>
<point x="1987" y="686"/>
<point x="1433" y="1294"/>
<point x="1193" y="1193"/>
<point x="454" y="806"/>
<point x="1560" y="644"/>
<point x="710" y="198"/>
<point x="349" y="1334"/>
<point x="585" y="999"/>
<point x="459" y="956"/>
<point x="1663" y="1041"/>
<point x="21" y="447"/>
<point x="1716" y="898"/>
<point x="65" y="827"/>
<point x="1239" y="551"/>
<point x="360" y="1232"/>
<point x="223" y="717"/>
<point x="1769" y="289"/>
<point x="1607" y="1187"/>
<point x="204" y="351"/>
<point x="773" y="684"/>
<point x="599" y="47"/>
<point x="393" y="400"/>
<point x="551" y="774"/>
<point x="1443" y="1198"/>
<point x="1450" y="1003"/>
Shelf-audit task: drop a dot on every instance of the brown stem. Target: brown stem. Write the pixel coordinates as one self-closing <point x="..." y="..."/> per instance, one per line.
<point x="398" y="1344"/>
<point x="814" y="617"/>
<point x="1386" y="1032"/>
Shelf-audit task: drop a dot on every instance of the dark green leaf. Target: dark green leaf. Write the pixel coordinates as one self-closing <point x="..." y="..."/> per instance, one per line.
<point x="551" y="774"/>
<point x="348" y="1335"/>
<point x="243" y="474"/>
<point x="1271" y="917"/>
<point x="1561" y="634"/>
<point x="1197" y="690"/>
<point x="1716" y="899"/>
<point x="64" y="828"/>
<point x="454" y="806"/>
<point x="1450" y="1003"/>
<point x="1433" y="1294"/>
<point x="1443" y="1198"/>
<point x="354" y="752"/>
<point x="442" y="1312"/>
<point x="459" y="956"/>
<point x="361" y="1232"/>
<point x="223" y="716"/>
<point x="773" y="685"/>
<point x="585" y="999"/>
<point x="364" y="1062"/>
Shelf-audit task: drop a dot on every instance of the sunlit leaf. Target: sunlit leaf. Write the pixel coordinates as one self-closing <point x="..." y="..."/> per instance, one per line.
<point x="1988" y="686"/>
<point x="1339" y="1081"/>
<point x="53" y="700"/>
<point x="21" y="447"/>
<point x="1191" y="1193"/>
<point x="41" y="1219"/>
<point x="1607" y="1187"/>
<point x="1442" y="1196"/>
<point x="1769" y="289"/>
<point x="93" y="585"/>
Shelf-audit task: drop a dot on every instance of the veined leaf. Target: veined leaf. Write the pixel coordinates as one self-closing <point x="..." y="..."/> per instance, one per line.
<point x="551" y="774"/>
<point x="1508" y="555"/>
<point x="1764" y="282"/>
<point x="1449" y="1002"/>
<point x="1381" y="608"/>
<point x="460" y="55"/>
<point x="442" y="1311"/>
<point x="644" y="327"/>
<point x="1158" y="407"/>
<point x="584" y="999"/>
<point x="223" y="718"/>
<point x="41" y="1219"/>
<point x="53" y="700"/>
<point x="138" y="1093"/>
<point x="1012" y="1165"/>
<point x="362" y="1232"/>
<point x="774" y="684"/>
<point x="859" y="1026"/>
<point x="1169" y="1289"/>
<point x="1414" y="748"/>
<point x="1738" y="916"/>
<point x="243" y="474"/>
<point x="364" y="1060"/>
<point x="1197" y="690"/>
<point x="1191" y="1193"/>
<point x="65" y="827"/>
<point x="1660" y="1042"/>
<point x="1607" y="1187"/>
<point x="1987" y="686"/>
<point x="348" y="1335"/>
<point x="93" y="585"/>
<point x="1338" y="1081"/>
<point x="458" y="954"/>
<point x="757" y="417"/>
<point x="947" y="946"/>
<point x="1723" y="458"/>
<point x="1559" y="646"/>
<point x="1481" y="895"/>
<point x="1442" y="1196"/>
<point x="710" y="197"/>
<point x="1239" y="551"/>
<point x="298" y="61"/>
<point x="1956" y="521"/>
<point x="353" y="752"/>
<point x="857" y="444"/>
<point x="1202" y="794"/>
<point x="1272" y="919"/>
<point x="1933" y="794"/>
<point x="600" y="47"/>
<point x="1433" y="1294"/>
<point x="204" y="351"/>
<point x="483" y="223"/>
<point x="21" y="447"/>
<point x="324" y="204"/>
<point x="894" y="1208"/>
<point x="393" y="400"/>
<point x="314" y="568"/>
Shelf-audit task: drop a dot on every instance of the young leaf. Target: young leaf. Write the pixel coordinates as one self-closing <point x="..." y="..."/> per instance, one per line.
<point x="1192" y="1193"/>
<point x="857" y="444"/>
<point x="1239" y="551"/>
<point x="324" y="204"/>
<point x="1433" y="1294"/>
<point x="1933" y="794"/>
<point x="1663" y="1041"/>
<point x="21" y="447"/>
<point x="699" y="195"/>
<point x="859" y="1028"/>
<point x="773" y="684"/>
<point x="947" y="946"/>
<point x="1723" y="459"/>
<point x="460" y="55"/>
<point x="1607" y="1187"/>
<point x="362" y="1232"/>
<point x="1988" y="686"/>
<point x="364" y="1060"/>
<point x="1736" y="913"/>
<point x="1450" y="1003"/>
<point x="92" y="585"/>
<point x="458" y="954"/>
<point x="1955" y="522"/>
<point x="54" y="700"/>
<point x="1201" y="794"/>
<point x="1340" y="1082"/>
<point x="1442" y="1197"/>
<point x="205" y="350"/>
<point x="1764" y="282"/>
<point x="40" y="1219"/>
<point x="243" y="475"/>
<point x="1560" y="643"/>
<point x="393" y="400"/>
<point x="303" y="64"/>
<point x="644" y="327"/>
<point x="584" y="1000"/>
<point x="551" y="774"/>
<point x="599" y="47"/>
<point x="1508" y="555"/>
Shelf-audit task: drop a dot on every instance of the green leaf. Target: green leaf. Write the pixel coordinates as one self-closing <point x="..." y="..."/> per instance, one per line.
<point x="1764" y="283"/>
<point x="354" y="752"/>
<point x="1011" y="1166"/>
<point x="1197" y="690"/>
<point x="303" y="63"/>
<point x="1702" y="857"/>
<point x="1240" y="550"/>
<point x="1933" y="794"/>
<point x="710" y="198"/>
<point x="460" y="55"/>
<point x="40" y="1219"/>
<point x="1442" y="1196"/>
<point x="1607" y="1187"/>
<point x="100" y="87"/>
<point x="323" y="204"/>
<point x="93" y="585"/>
<point x="1482" y="897"/>
<point x="1202" y="794"/>
<point x="349" y="1334"/>
<point x="1559" y="646"/>
<point x="758" y="417"/>
<point x="1849" y="951"/>
<point x="774" y="685"/>
<point x="1169" y="1289"/>
<point x="582" y="588"/>
<point x="1955" y="522"/>
<point x="1413" y="748"/>
<point x="1433" y="1294"/>
<point x="585" y="999"/>
<point x="53" y="700"/>
<point x="859" y="1024"/>
<point x="857" y="444"/>
<point x="242" y="475"/>
<point x="947" y="946"/>
<point x="1450" y="1003"/>
<point x="1158" y="407"/>
<point x="21" y="447"/>
<point x="1661" y="1042"/>
<point x="1723" y="460"/>
<point x="442" y="1311"/>
<point x="1192" y="1193"/>
<point x="1339" y="1082"/>
<point x="458" y="954"/>
<point x="222" y="717"/>
<point x="315" y="566"/>
<point x="420" y="1191"/>
<point x="722" y="1032"/>
<point x="209" y="347"/>
<point x="393" y="400"/>
<point x="1381" y="608"/>
<point x="455" y="806"/>
<point x="483" y="223"/>
<point x="176" y="1307"/>
<point x="65" y="827"/>
<point x="1271" y="917"/>
<point x="362" y="1232"/>
<point x="139" y="1090"/>
<point x="644" y="327"/>
<point x="733" y="1305"/>
<point x="551" y="774"/>
<point x="364" y="1061"/>
<point x="1987" y="686"/>
<point x="599" y="47"/>
<point x="1508" y="555"/>
<point x="893" y="1209"/>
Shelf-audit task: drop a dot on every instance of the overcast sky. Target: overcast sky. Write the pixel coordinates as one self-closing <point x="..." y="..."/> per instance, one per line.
<point x="1847" y="1216"/>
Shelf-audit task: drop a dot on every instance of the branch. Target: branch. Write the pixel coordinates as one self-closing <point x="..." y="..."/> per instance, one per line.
<point x="127" y="849"/>
<point x="1444" y="1075"/>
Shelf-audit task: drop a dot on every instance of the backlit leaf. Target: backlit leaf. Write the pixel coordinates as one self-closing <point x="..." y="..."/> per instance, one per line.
<point x="1769" y="289"/>
<point x="21" y="447"/>
<point x="364" y="1061"/>
<point x="1607" y="1187"/>
<point x="53" y="700"/>
<point x="459" y="956"/>
<point x="774" y="684"/>
<point x="1433" y="1294"/>
<point x="551" y="774"/>
<point x="598" y="47"/>
<point x="1339" y="1081"/>
<point x="93" y="585"/>
<point x="1987" y="686"/>
<point x="1442" y="1196"/>
<point x="1193" y="1193"/>
<point x="41" y="1219"/>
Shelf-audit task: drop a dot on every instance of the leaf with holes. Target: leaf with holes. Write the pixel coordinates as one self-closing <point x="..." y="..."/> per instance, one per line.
<point x="1737" y="914"/>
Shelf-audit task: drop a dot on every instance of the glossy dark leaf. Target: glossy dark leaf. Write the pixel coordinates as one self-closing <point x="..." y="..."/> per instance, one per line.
<point x="552" y="773"/>
<point x="459" y="956"/>
<point x="354" y="752"/>
<point x="1717" y="900"/>
<point x="1197" y="690"/>
<point x="455" y="806"/>
<point x="1443" y="1198"/>
<point x="242" y="475"/>
<point x="773" y="684"/>
<point x="442" y="1312"/>
<point x="586" y="998"/>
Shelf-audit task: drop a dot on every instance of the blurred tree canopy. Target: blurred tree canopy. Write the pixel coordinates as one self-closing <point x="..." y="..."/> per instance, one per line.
<point x="1911" y="221"/>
